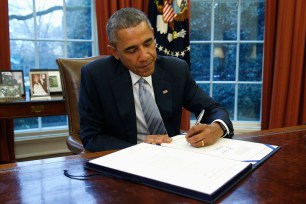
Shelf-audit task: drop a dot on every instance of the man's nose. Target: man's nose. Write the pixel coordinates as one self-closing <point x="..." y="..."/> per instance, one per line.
<point x="143" y="53"/>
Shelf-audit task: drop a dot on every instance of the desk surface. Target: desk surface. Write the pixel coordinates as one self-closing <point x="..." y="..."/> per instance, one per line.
<point x="281" y="179"/>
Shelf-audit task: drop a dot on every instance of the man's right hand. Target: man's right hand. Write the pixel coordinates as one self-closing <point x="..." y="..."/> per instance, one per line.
<point x="157" y="139"/>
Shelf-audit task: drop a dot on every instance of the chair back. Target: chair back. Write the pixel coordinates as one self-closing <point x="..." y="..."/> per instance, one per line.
<point x="70" y="69"/>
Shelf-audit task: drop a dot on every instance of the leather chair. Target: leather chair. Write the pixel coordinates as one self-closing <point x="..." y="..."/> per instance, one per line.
<point x="70" y="69"/>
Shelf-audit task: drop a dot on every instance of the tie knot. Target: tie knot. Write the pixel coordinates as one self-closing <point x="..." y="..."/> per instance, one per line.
<point x="141" y="82"/>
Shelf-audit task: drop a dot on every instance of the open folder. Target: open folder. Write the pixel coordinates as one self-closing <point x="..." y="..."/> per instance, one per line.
<point x="201" y="173"/>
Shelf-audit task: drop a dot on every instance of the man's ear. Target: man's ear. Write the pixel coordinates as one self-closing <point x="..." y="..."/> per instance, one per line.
<point x="113" y="51"/>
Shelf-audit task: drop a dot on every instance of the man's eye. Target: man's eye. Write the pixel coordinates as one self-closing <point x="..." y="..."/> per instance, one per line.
<point x="147" y="44"/>
<point x="130" y="50"/>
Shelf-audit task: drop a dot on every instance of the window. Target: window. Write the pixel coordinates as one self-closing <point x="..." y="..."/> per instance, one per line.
<point x="227" y="53"/>
<point x="43" y="30"/>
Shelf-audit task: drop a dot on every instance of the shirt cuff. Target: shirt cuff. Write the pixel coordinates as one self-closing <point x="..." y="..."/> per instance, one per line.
<point x="224" y="124"/>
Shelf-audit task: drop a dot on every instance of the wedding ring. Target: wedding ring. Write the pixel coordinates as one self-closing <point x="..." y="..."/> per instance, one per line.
<point x="202" y="142"/>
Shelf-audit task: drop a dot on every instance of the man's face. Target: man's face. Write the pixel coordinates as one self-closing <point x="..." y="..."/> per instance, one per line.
<point x="135" y="47"/>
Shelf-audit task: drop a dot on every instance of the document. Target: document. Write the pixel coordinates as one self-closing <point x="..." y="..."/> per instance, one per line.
<point x="238" y="150"/>
<point x="200" y="173"/>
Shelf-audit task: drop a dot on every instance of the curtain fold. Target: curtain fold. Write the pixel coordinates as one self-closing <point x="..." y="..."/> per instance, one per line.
<point x="284" y="79"/>
<point x="104" y="9"/>
<point x="4" y="36"/>
<point x="7" y="150"/>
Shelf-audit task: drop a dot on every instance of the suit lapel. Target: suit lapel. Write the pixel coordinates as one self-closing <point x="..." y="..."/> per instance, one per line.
<point x="162" y="92"/>
<point x="123" y="94"/>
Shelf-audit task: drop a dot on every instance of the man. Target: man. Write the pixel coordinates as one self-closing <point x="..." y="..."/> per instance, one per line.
<point x="111" y="112"/>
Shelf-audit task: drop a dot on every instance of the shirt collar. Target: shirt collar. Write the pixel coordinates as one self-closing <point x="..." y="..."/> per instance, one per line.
<point x="136" y="77"/>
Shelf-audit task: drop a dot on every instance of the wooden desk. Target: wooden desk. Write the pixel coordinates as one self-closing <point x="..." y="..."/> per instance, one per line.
<point x="23" y="109"/>
<point x="281" y="179"/>
<point x="27" y="108"/>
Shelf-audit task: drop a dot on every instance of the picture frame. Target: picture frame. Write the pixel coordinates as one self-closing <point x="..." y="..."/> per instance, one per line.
<point x="39" y="83"/>
<point x="10" y="93"/>
<point x="55" y="81"/>
<point x="13" y="78"/>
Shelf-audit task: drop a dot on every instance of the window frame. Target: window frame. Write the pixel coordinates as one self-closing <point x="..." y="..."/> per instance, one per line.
<point x="239" y="125"/>
<point x="43" y="132"/>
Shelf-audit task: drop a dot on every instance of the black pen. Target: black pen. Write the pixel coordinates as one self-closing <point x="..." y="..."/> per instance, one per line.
<point x="199" y="118"/>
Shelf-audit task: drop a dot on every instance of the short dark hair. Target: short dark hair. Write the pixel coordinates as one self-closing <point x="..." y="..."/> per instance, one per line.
<point x="124" y="18"/>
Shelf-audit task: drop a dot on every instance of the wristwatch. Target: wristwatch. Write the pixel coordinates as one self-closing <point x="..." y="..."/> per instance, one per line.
<point x="223" y="128"/>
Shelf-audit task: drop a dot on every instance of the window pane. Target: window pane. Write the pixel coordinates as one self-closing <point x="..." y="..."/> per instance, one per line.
<point x="225" y="95"/>
<point x="225" y="20"/>
<point x="21" y="21"/>
<point x="200" y="61"/>
<point x="49" y="18"/>
<point x="79" y="19"/>
<point x="25" y="123"/>
<point x="224" y="62"/>
<point x="252" y="20"/>
<point x="79" y="49"/>
<point x="250" y="60"/>
<point x="48" y="51"/>
<point x="205" y="87"/>
<point x="200" y="24"/>
<point x="53" y="121"/>
<point x="249" y="101"/>
<point x="22" y="55"/>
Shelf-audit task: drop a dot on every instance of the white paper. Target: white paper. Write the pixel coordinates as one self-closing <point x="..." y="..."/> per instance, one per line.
<point x="198" y="172"/>
<point x="226" y="148"/>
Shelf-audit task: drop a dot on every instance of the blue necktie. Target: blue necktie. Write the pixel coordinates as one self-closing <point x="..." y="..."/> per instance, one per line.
<point x="150" y="111"/>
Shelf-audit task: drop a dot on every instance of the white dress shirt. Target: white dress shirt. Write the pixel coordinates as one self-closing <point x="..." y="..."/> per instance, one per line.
<point x="142" y="129"/>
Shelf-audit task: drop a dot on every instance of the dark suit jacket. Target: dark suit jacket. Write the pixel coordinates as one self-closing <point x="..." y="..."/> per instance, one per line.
<point x="107" y="109"/>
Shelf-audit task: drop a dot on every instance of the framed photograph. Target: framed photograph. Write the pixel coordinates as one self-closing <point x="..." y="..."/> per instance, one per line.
<point x="39" y="83"/>
<point x="55" y="81"/>
<point x="10" y="93"/>
<point x="13" y="78"/>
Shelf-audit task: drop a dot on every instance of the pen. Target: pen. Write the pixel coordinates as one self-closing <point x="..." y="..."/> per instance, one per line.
<point x="200" y="117"/>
